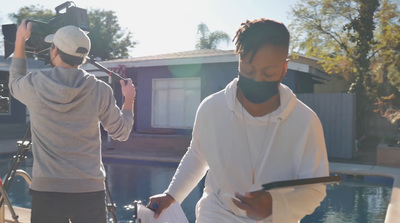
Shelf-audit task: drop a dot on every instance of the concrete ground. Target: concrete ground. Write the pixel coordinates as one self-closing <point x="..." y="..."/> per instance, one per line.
<point x="162" y="148"/>
<point x="171" y="148"/>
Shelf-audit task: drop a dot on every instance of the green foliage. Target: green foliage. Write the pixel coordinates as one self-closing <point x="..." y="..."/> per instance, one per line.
<point x="210" y="40"/>
<point x="33" y="12"/>
<point x="356" y="38"/>
<point x="386" y="62"/>
<point x="392" y="141"/>
<point x="108" y="40"/>
<point x="317" y="29"/>
<point x="332" y="31"/>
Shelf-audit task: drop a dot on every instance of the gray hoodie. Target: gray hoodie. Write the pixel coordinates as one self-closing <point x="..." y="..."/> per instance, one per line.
<point x="66" y="109"/>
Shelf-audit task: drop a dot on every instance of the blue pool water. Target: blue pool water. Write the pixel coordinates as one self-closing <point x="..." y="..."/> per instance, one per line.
<point x="358" y="199"/>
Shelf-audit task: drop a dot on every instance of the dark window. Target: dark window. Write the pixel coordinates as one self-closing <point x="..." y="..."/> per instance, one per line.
<point x="4" y="94"/>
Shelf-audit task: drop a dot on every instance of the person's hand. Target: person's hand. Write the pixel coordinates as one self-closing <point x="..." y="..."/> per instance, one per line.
<point x="24" y="31"/>
<point x="23" y="34"/>
<point x="160" y="202"/>
<point x="257" y="204"/>
<point x="128" y="89"/>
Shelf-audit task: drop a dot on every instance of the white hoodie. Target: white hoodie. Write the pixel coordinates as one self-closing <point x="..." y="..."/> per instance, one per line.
<point x="228" y="143"/>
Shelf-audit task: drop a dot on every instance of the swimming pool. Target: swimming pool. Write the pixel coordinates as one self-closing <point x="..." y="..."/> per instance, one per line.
<point x="128" y="181"/>
<point x="358" y="199"/>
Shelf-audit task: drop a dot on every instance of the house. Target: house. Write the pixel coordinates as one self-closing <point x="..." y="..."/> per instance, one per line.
<point x="171" y="86"/>
<point x="336" y="82"/>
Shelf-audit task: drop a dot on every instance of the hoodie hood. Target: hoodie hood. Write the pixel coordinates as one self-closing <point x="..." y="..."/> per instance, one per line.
<point x="63" y="88"/>
<point x="287" y="103"/>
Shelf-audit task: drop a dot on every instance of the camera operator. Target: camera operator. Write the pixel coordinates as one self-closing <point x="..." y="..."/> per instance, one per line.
<point x="66" y="106"/>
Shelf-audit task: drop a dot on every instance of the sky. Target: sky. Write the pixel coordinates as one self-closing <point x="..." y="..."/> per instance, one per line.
<point x="170" y="26"/>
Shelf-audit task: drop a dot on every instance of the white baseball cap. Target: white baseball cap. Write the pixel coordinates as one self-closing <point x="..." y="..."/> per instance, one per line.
<point x="71" y="40"/>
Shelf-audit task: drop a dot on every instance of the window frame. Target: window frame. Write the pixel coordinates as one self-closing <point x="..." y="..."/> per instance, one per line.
<point x="188" y="101"/>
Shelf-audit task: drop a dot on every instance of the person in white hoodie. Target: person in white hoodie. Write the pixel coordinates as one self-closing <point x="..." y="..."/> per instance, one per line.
<point x="66" y="106"/>
<point x="253" y="132"/>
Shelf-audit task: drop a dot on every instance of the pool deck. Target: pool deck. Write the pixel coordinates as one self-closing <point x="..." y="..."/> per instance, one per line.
<point x="172" y="148"/>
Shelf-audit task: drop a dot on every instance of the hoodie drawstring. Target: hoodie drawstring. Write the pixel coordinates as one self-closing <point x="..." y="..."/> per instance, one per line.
<point x="269" y="146"/>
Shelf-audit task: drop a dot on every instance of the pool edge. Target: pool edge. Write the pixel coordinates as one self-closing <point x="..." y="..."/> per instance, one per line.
<point x="393" y="210"/>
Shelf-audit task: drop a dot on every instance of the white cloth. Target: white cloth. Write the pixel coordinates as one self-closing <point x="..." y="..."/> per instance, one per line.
<point x="293" y="147"/>
<point x="173" y="214"/>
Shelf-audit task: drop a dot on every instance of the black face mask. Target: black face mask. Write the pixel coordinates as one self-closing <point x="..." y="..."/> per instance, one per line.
<point x="257" y="92"/>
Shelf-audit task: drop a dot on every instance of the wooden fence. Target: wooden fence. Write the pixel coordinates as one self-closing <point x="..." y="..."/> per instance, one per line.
<point x="337" y="114"/>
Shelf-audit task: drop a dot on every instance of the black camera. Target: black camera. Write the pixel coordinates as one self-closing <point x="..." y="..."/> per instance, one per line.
<point x="36" y="44"/>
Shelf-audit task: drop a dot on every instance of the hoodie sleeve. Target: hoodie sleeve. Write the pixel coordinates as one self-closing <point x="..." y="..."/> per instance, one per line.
<point x="192" y="167"/>
<point x="118" y="123"/>
<point x="190" y="171"/>
<point x="294" y="205"/>
<point x="18" y="79"/>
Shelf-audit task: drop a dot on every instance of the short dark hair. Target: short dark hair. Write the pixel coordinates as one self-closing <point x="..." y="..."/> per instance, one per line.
<point x="252" y="35"/>
<point x="70" y="60"/>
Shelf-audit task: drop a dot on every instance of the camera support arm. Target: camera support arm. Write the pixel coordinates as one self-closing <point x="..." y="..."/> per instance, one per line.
<point x="101" y="67"/>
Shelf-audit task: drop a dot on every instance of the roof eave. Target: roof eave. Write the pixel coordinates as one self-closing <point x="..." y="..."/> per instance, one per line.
<point x="168" y="62"/>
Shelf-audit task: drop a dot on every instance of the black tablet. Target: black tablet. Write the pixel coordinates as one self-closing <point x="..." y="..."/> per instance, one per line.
<point x="302" y="182"/>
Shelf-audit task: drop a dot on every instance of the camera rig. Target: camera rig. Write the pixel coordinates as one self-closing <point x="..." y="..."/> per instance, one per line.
<point x="36" y="44"/>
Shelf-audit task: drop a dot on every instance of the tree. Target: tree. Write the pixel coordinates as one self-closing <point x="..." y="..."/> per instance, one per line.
<point x="343" y="34"/>
<point x="210" y="40"/>
<point x="386" y="63"/>
<point x="109" y="41"/>
<point x="32" y="12"/>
